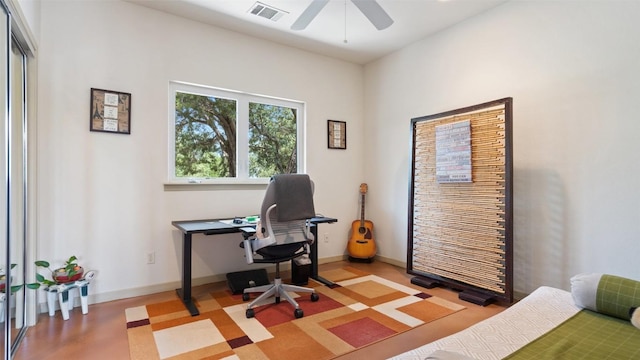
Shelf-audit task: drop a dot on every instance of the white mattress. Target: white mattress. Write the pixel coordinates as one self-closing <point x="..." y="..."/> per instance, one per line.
<point x="502" y="334"/>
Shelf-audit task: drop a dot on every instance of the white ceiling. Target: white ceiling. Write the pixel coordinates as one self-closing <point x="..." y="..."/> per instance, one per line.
<point x="413" y="20"/>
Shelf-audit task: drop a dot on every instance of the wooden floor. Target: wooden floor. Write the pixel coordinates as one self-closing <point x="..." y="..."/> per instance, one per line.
<point x="102" y="333"/>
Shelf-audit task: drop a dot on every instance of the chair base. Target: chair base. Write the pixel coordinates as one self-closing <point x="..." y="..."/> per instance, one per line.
<point x="277" y="290"/>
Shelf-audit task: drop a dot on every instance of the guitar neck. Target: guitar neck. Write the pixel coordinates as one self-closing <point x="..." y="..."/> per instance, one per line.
<point x="362" y="211"/>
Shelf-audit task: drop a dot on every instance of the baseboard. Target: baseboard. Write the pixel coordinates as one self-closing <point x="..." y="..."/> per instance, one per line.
<point x="141" y="291"/>
<point x="394" y="262"/>
<point x="173" y="285"/>
<point x="331" y="259"/>
<point x="383" y="259"/>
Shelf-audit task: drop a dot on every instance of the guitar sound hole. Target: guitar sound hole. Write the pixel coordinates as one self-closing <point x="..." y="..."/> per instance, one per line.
<point x="362" y="230"/>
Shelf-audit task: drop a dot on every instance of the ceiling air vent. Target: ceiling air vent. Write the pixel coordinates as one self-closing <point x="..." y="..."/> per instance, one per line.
<point x="266" y="11"/>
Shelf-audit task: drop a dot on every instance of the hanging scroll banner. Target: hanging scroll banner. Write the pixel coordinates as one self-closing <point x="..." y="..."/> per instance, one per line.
<point x="453" y="152"/>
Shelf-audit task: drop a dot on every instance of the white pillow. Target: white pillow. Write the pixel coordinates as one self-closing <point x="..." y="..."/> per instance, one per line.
<point x="584" y="288"/>
<point x="635" y="317"/>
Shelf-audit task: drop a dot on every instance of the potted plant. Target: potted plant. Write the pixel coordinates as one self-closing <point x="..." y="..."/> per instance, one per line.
<point x="70" y="272"/>
<point x="3" y="277"/>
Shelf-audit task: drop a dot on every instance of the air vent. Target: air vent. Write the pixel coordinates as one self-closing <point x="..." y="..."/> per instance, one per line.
<point x="266" y="11"/>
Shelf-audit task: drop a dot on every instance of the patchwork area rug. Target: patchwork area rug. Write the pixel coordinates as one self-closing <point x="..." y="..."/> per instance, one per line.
<point x="361" y="309"/>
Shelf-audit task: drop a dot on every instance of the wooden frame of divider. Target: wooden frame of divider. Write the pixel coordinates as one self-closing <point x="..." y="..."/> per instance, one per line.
<point x="460" y="235"/>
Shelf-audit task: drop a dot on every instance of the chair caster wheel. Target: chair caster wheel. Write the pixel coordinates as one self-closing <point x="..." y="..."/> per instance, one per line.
<point x="298" y="313"/>
<point x="250" y="313"/>
<point x="277" y="299"/>
<point x="245" y="297"/>
<point x="314" y="297"/>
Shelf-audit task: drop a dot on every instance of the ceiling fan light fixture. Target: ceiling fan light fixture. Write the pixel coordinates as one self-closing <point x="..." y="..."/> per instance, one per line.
<point x="266" y="11"/>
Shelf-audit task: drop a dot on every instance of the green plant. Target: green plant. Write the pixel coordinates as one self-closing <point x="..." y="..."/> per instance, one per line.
<point x="70" y="269"/>
<point x="14" y="288"/>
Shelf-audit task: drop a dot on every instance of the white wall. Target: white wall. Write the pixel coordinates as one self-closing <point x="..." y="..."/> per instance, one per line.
<point x="572" y="70"/>
<point x="101" y="196"/>
<point x="31" y="11"/>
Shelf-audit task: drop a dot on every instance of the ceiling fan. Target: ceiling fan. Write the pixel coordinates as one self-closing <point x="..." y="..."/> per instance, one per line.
<point x="370" y="8"/>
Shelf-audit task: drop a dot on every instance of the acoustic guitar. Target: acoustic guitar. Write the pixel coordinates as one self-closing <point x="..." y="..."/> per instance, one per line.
<point x="361" y="243"/>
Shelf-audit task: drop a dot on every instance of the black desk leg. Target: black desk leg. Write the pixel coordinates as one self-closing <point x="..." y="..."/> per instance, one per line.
<point x="314" y="258"/>
<point x="185" y="292"/>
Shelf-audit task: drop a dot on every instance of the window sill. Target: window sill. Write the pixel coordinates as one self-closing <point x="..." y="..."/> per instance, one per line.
<point x="215" y="185"/>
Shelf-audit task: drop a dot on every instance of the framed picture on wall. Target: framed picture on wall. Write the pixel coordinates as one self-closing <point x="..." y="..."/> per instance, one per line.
<point x="336" y="134"/>
<point x="110" y="111"/>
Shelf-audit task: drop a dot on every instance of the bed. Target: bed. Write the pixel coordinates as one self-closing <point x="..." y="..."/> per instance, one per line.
<point x="589" y="322"/>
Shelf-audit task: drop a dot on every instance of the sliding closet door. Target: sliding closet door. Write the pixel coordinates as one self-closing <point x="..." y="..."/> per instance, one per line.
<point x="17" y="188"/>
<point x="5" y="259"/>
<point x="13" y="193"/>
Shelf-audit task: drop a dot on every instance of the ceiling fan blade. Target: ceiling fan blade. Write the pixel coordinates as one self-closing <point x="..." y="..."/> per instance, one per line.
<point x="309" y="14"/>
<point x="374" y="12"/>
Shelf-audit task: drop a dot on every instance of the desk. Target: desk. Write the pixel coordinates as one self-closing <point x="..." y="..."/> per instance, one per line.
<point x="217" y="227"/>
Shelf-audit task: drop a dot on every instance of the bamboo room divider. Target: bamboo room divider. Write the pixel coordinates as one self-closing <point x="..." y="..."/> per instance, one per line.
<point x="460" y="233"/>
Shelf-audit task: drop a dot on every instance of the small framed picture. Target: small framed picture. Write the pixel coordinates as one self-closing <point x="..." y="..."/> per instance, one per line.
<point x="110" y="111"/>
<point x="336" y="134"/>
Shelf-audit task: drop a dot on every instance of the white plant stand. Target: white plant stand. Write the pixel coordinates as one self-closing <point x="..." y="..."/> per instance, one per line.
<point x="66" y="301"/>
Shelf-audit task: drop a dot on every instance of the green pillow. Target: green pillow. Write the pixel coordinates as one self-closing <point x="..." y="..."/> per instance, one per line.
<point x="607" y="294"/>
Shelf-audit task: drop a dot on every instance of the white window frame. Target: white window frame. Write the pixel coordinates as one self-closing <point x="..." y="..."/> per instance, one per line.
<point x="242" y="157"/>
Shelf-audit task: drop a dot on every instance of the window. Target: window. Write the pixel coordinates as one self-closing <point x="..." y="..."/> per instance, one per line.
<point x="227" y="136"/>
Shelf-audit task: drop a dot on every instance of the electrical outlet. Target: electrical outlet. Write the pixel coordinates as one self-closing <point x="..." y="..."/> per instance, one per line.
<point x="326" y="238"/>
<point x="151" y="257"/>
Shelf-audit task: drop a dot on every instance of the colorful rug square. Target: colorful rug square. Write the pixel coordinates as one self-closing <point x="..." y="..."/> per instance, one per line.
<point x="361" y="332"/>
<point x="360" y="310"/>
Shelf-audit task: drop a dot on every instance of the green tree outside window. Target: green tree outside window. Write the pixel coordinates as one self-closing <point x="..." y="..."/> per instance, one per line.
<point x="206" y="139"/>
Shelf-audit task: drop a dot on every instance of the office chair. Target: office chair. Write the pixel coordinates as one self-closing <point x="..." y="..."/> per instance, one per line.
<point x="284" y="235"/>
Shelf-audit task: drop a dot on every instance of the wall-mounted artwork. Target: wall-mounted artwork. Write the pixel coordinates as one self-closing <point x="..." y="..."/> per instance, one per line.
<point x="336" y="134"/>
<point x="110" y="111"/>
<point x="453" y="152"/>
